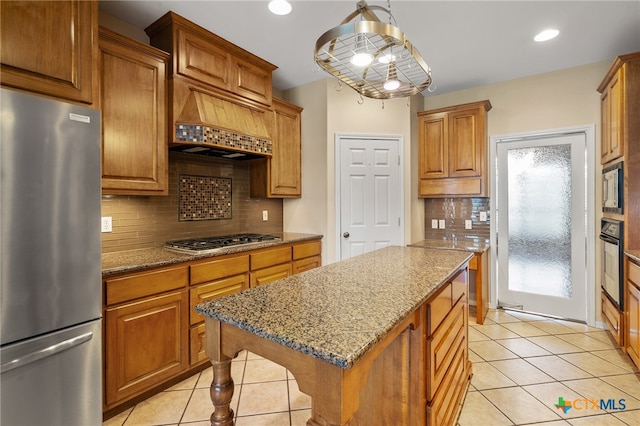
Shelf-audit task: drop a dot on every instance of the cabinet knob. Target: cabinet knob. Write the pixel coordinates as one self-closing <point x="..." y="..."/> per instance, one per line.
<point x="346" y="235"/>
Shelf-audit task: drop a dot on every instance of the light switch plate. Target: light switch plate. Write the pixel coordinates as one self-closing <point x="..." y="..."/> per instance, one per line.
<point x="434" y="223"/>
<point x="106" y="224"/>
<point x="441" y="224"/>
<point x="483" y="216"/>
<point x="467" y="224"/>
<point x="265" y="215"/>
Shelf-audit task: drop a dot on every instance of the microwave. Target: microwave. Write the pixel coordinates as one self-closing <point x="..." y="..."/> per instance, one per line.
<point x="612" y="188"/>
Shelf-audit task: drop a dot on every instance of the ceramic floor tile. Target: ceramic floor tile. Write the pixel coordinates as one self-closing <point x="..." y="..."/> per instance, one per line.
<point x="475" y="335"/>
<point x="118" y="419"/>
<point x="594" y="365"/>
<point x="600" y="420"/>
<point x="251" y="355"/>
<point x="521" y="372"/>
<point x="577" y="326"/>
<point x="297" y="399"/>
<point x="206" y="376"/>
<point x="523" y="347"/>
<point x="525" y="329"/>
<point x="161" y="409"/>
<point x="523" y="316"/>
<point x="263" y="370"/>
<point x="554" y="344"/>
<point x="519" y="406"/>
<point x="186" y="384"/>
<point x="474" y="357"/>
<point x="552" y="327"/>
<point x="478" y="411"/>
<point x="491" y="351"/>
<point x="629" y="417"/>
<point x="585" y="342"/>
<point x="550" y="393"/>
<point x="500" y="316"/>
<point x="617" y="357"/>
<point x="300" y="417"/>
<point x="262" y="398"/>
<point x="603" y="336"/>
<point x="275" y="419"/>
<point x="200" y="406"/>
<point x="496" y="331"/>
<point x="486" y="376"/>
<point x="629" y="383"/>
<point x="558" y="368"/>
<point x="597" y="389"/>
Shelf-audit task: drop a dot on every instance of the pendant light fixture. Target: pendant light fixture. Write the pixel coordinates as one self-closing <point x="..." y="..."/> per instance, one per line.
<point x="373" y="57"/>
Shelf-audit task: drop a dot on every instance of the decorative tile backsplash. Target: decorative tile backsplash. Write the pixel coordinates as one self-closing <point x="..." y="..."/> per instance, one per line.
<point x="204" y="198"/>
<point x="212" y="136"/>
<point x="454" y="212"/>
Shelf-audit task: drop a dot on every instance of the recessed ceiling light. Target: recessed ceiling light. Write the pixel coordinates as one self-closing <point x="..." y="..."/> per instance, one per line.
<point x="280" y="7"/>
<point x="546" y="35"/>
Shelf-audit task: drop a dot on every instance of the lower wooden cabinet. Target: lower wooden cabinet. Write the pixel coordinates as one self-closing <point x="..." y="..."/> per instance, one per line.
<point x="270" y="265"/>
<point x="612" y="318"/>
<point x="633" y="312"/>
<point x="448" y="367"/>
<point x="146" y="344"/>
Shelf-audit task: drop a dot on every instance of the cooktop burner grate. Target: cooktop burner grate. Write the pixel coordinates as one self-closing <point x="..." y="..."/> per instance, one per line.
<point x="203" y="245"/>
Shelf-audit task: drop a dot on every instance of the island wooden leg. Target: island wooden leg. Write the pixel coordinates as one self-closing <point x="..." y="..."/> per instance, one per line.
<point x="221" y="393"/>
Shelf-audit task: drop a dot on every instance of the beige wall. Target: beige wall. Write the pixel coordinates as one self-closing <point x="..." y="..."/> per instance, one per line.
<point x="560" y="99"/>
<point x="329" y="112"/>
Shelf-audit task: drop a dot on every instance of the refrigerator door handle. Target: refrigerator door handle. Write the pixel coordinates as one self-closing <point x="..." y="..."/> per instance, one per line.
<point x="45" y="352"/>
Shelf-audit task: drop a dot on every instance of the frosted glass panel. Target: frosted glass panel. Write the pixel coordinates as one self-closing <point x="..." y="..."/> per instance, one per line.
<point x="539" y="210"/>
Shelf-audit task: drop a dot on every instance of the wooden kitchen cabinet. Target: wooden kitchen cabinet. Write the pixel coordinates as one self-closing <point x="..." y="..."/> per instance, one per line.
<point x="133" y="100"/>
<point x="145" y="339"/>
<point x="448" y="365"/>
<point x="48" y="47"/>
<point x="306" y="256"/>
<point x="612" y="117"/>
<point x="452" y="151"/>
<point x="612" y="318"/>
<point x="280" y="176"/>
<point x="270" y="265"/>
<point x="632" y="311"/>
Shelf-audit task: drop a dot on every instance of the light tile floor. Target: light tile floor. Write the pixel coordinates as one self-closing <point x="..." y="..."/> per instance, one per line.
<point x="522" y="364"/>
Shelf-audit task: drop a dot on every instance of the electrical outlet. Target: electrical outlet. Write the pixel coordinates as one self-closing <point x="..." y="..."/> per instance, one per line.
<point x="106" y="224"/>
<point x="434" y="223"/>
<point x="441" y="224"/>
<point x="483" y="216"/>
<point x="467" y="224"/>
<point x="265" y="215"/>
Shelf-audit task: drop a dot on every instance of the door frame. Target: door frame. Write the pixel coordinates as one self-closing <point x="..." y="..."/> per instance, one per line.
<point x="590" y="231"/>
<point x="338" y="138"/>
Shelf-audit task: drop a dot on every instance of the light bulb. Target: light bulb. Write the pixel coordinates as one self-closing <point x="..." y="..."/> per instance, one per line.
<point x="392" y="82"/>
<point x="546" y="35"/>
<point x="391" y="85"/>
<point x="361" y="59"/>
<point x="280" y="7"/>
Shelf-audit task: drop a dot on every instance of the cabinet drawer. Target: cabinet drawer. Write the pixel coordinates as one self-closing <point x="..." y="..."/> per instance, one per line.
<point x="268" y="275"/>
<point x="613" y="318"/>
<point x="306" y="250"/>
<point x="214" y="290"/>
<point x="203" y="61"/>
<point x="442" y="409"/>
<point x="459" y="286"/>
<point x="270" y="257"/>
<point x="221" y="268"/>
<point x="633" y="272"/>
<point x="145" y="284"/>
<point x="438" y="308"/>
<point x="306" y="264"/>
<point x="447" y="341"/>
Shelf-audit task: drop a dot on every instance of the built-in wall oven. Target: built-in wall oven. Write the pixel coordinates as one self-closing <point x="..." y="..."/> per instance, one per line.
<point x="612" y="255"/>
<point x="613" y="188"/>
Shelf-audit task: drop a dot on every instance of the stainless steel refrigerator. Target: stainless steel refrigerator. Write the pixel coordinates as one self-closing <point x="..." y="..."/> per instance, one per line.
<point x="50" y="270"/>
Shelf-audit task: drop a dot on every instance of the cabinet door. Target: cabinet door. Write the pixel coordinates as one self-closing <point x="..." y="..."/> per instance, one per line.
<point x="433" y="146"/>
<point x="613" y="128"/>
<point x="47" y="47"/>
<point x="252" y="82"/>
<point x="202" y="60"/>
<point x="270" y="274"/>
<point x="633" y="313"/>
<point x="285" y="176"/>
<point x="465" y="151"/>
<point x="306" y="264"/>
<point x="133" y="103"/>
<point x="214" y="290"/>
<point x="145" y="344"/>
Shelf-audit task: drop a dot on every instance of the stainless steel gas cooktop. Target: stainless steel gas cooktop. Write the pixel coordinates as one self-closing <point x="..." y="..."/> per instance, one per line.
<point x="212" y="244"/>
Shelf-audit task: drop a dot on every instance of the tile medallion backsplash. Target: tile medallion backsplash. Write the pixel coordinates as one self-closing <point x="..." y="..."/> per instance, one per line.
<point x="204" y="198"/>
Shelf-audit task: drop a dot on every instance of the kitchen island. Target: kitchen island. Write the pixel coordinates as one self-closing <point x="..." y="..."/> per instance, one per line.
<point x="377" y="339"/>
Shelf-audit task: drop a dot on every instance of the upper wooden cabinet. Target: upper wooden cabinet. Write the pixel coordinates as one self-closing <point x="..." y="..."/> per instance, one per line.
<point x="452" y="151"/>
<point x="280" y="176"/>
<point x="133" y="100"/>
<point x="48" y="47"/>
<point x="620" y="106"/>
<point x="207" y="58"/>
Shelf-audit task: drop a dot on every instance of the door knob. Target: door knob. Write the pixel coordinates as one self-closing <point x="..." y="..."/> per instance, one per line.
<point x="346" y="235"/>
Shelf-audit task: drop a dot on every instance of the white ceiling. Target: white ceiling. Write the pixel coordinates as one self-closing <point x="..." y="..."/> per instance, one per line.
<point x="466" y="43"/>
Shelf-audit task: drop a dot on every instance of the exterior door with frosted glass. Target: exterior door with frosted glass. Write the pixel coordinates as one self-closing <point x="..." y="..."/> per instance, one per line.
<point x="541" y="217"/>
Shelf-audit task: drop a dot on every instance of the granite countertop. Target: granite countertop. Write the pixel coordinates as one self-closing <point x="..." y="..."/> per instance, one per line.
<point x="341" y="310"/>
<point x="634" y="254"/>
<point x="141" y="259"/>
<point x="464" y="245"/>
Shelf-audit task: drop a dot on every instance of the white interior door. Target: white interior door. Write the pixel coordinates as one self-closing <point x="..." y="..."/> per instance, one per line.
<point x="541" y="217"/>
<point x="370" y="195"/>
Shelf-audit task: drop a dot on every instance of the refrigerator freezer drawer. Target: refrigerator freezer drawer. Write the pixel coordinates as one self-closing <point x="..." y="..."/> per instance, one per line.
<point x="53" y="379"/>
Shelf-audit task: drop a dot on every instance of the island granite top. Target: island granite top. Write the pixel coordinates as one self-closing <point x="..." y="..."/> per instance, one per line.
<point x="464" y="245"/>
<point x="141" y="259"/>
<point x="341" y="310"/>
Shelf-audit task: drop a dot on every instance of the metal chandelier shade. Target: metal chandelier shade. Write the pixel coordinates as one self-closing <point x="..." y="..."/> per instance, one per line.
<point x="372" y="57"/>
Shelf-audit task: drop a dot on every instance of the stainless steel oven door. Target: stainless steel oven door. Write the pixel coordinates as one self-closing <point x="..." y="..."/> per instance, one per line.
<point x="611" y="263"/>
